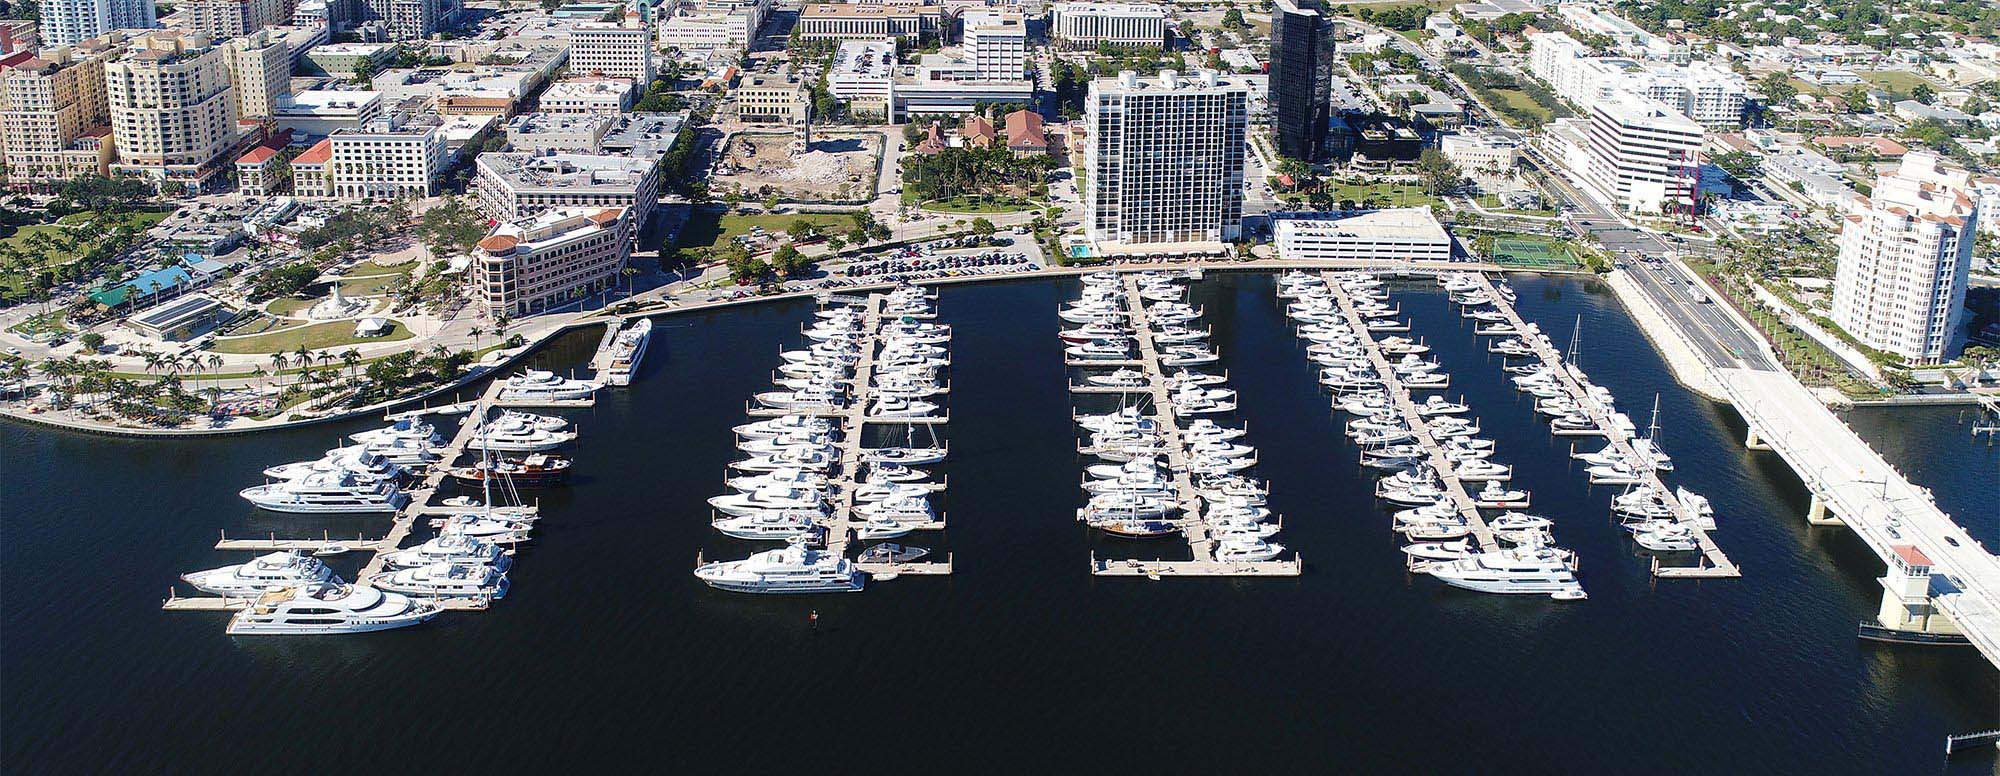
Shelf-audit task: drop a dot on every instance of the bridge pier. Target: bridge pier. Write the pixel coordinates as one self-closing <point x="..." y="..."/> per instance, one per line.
<point x="1818" y="514"/>
<point x="1752" y="440"/>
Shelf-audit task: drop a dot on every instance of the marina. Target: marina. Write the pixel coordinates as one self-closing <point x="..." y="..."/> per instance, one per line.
<point x="1221" y="517"/>
<point x="605" y="601"/>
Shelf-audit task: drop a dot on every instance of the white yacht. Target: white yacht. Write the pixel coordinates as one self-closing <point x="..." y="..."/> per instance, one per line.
<point x="540" y="385"/>
<point x="1530" y="570"/>
<point x="782" y="425"/>
<point x="627" y="350"/>
<point x="898" y="407"/>
<point x="449" y="548"/>
<point x="411" y="429"/>
<point x="792" y="569"/>
<point x="278" y="569"/>
<point x="450" y="579"/>
<point x="358" y="460"/>
<point x="331" y="492"/>
<point x="1246" y="549"/>
<point x="518" y="434"/>
<point x="768" y="499"/>
<point x="767" y="524"/>
<point x="325" y="607"/>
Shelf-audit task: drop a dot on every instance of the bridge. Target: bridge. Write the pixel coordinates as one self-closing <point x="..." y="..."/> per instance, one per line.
<point x="1934" y="566"/>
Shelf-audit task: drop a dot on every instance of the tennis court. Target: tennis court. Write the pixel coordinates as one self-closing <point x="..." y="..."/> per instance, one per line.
<point x="1528" y="252"/>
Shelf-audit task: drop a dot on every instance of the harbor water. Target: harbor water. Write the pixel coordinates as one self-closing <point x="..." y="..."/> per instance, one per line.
<point x="608" y="655"/>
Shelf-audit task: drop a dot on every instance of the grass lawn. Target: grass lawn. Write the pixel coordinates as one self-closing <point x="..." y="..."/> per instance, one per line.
<point x="1492" y="202"/>
<point x="288" y="305"/>
<point x="978" y="204"/>
<point x="367" y="268"/>
<point x="1899" y="81"/>
<point x="1385" y="194"/>
<point x="1350" y="5"/>
<point x="370" y="285"/>
<point x="708" y="227"/>
<point x="50" y="322"/>
<point x="318" y="335"/>
<point x="63" y="226"/>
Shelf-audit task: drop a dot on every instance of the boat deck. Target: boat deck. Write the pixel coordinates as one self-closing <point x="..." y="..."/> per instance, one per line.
<point x="1713" y="563"/>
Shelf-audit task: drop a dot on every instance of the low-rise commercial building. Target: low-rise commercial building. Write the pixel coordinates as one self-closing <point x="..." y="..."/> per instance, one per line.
<point x="321" y="112"/>
<point x="1089" y="25"/>
<point x="386" y="159"/>
<point x="539" y="133"/>
<point x="343" y="60"/>
<point x="1480" y="152"/>
<point x="549" y="260"/>
<point x="864" y="74"/>
<point x="590" y="95"/>
<point x="512" y="186"/>
<point x="840" y="21"/>
<point x="771" y="99"/>
<point x="1400" y="234"/>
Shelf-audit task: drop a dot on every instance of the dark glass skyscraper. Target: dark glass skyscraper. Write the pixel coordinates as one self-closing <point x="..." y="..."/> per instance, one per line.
<point x="1301" y="76"/>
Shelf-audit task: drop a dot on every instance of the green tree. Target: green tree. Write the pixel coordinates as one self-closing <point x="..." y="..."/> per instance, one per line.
<point x="1777" y="87"/>
<point x="1923" y="93"/>
<point x="92" y="341"/>
<point x="1233" y="19"/>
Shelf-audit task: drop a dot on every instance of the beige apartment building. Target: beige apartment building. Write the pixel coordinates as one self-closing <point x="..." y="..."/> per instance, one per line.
<point x="53" y="115"/>
<point x="173" y="115"/>
<point x="260" y="67"/>
<point x="549" y="260"/>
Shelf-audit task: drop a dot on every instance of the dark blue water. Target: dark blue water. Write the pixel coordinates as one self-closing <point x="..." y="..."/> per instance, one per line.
<point x="608" y="655"/>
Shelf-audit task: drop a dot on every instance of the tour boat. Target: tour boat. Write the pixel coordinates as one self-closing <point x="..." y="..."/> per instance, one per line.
<point x="327" y="607"/>
<point x="794" y="568"/>
<point x="278" y="569"/>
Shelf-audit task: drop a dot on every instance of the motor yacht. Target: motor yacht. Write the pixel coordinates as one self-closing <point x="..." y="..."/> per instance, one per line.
<point x="907" y="509"/>
<point x="895" y="472"/>
<point x="364" y="465"/>
<point x="1667" y="537"/>
<point x="1439" y="551"/>
<point x="326" y="608"/>
<point x="1123" y="377"/>
<point x="410" y="429"/>
<point x="776" y="444"/>
<point x="1495" y="496"/>
<point x="1131" y="528"/>
<point x="1203" y="401"/>
<point x="449" y="579"/>
<point x="820" y="397"/>
<point x="783" y="478"/>
<point x="898" y="407"/>
<point x="1482" y="470"/>
<point x="275" y="570"/>
<point x="538" y="385"/>
<point x="1128" y="419"/>
<point x="1125" y="505"/>
<point x="768" y="500"/>
<point x="495" y="526"/>
<point x="1187" y="355"/>
<point x="449" y="548"/>
<point x="333" y="492"/>
<point x="518" y="435"/>
<point x="627" y="350"/>
<point x="783" y="525"/>
<point x="1532" y="570"/>
<point x="808" y="460"/>
<point x="1242" y="549"/>
<point x="536" y="470"/>
<point x="1519" y="521"/>
<point x="794" y="568"/>
<point x="1101" y="350"/>
<point x="1438" y="405"/>
<point x="1425" y="381"/>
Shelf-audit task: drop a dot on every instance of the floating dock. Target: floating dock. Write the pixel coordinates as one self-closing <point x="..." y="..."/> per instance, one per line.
<point x="1190" y="521"/>
<point x="1713" y="563"/>
<point x="1433" y="450"/>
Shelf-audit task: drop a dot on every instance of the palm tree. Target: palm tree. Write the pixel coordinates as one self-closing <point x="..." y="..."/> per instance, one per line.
<point x="351" y="358"/>
<point x="476" y="331"/>
<point x="278" y="362"/>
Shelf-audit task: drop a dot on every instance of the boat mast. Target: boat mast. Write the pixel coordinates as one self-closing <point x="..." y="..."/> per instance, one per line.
<point x="1575" y="340"/>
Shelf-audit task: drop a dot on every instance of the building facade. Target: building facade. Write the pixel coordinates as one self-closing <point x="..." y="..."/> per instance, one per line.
<point x="771" y="99"/>
<point x="47" y="104"/>
<point x="1643" y="156"/>
<point x="590" y="95"/>
<point x="513" y="186"/>
<point x="69" y="22"/>
<point x="260" y="67"/>
<point x="1399" y="234"/>
<point x="840" y="21"/>
<point x="1089" y="25"/>
<point x="996" y="43"/>
<point x="234" y="18"/>
<point x="1301" y="71"/>
<point x="1165" y="158"/>
<point x="1899" y="285"/>
<point x="173" y="115"/>
<point x="550" y="260"/>
<point x="610" y="49"/>
<point x="385" y="159"/>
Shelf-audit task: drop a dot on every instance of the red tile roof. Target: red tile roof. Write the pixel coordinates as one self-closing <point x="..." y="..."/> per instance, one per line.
<point x="318" y="154"/>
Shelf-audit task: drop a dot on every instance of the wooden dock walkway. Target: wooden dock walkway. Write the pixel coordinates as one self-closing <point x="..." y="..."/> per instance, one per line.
<point x="1713" y="563"/>
<point x="848" y="474"/>
<point x="1200" y="544"/>
<point x="1439" y="462"/>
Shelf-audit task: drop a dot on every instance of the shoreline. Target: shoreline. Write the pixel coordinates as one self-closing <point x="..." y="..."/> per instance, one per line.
<point x="603" y="316"/>
<point x="1682" y="360"/>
